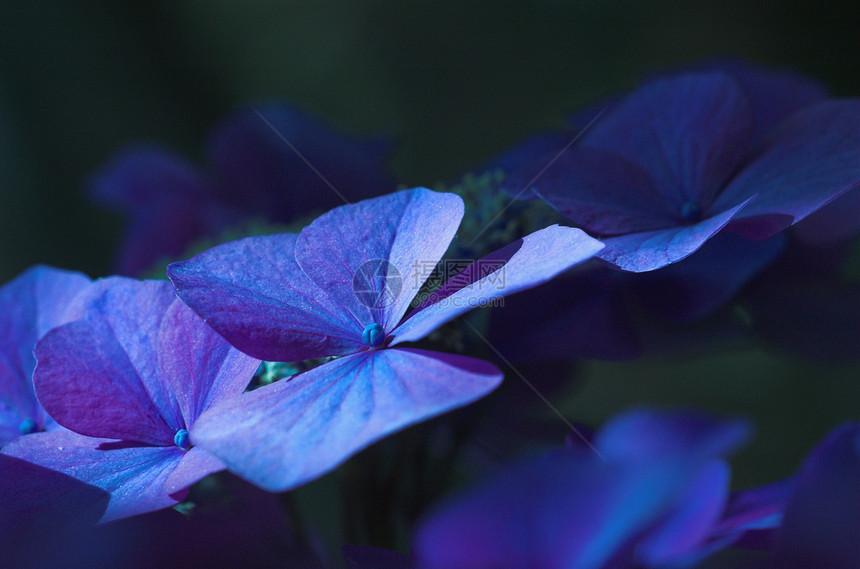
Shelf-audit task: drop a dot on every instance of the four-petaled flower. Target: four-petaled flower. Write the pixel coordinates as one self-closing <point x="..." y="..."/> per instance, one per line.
<point x="293" y="297"/>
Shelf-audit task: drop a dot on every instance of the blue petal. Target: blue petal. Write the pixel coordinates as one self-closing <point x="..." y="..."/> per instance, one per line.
<point x="526" y="263"/>
<point x="38" y="300"/>
<point x="406" y="232"/>
<point x="601" y="192"/>
<point x="134" y="475"/>
<point x="650" y="250"/>
<point x="290" y="432"/>
<point x="643" y="434"/>
<point x="199" y="366"/>
<point x="99" y="376"/>
<point x="688" y="132"/>
<point x="254" y="294"/>
<point x="822" y="518"/>
<point x="811" y="158"/>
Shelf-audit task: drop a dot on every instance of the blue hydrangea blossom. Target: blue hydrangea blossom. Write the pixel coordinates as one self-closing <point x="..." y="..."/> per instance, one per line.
<point x="129" y="380"/>
<point x="648" y="493"/>
<point x="684" y="157"/>
<point x="341" y="288"/>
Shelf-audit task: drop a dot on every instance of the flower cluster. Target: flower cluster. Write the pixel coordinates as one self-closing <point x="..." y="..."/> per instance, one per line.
<point x="264" y="363"/>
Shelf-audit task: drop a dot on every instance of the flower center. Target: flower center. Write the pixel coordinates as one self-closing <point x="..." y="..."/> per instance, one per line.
<point x="691" y="212"/>
<point x="27" y="426"/>
<point x="373" y="335"/>
<point x="180" y="439"/>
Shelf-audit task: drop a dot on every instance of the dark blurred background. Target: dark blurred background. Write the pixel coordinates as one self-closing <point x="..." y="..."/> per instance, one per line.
<point x="454" y="82"/>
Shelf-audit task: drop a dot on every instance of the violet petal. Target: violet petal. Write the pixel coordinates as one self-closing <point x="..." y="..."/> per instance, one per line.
<point x="199" y="365"/>
<point x="99" y="376"/>
<point x="253" y="293"/>
<point x="526" y="263"/>
<point x="689" y="132"/>
<point x="134" y="475"/>
<point x="292" y="431"/>
<point x="38" y="300"/>
<point x="406" y="232"/>
<point x="650" y="250"/>
<point x="812" y="157"/>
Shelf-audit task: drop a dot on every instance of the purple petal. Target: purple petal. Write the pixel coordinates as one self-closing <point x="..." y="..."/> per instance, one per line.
<point x="567" y="510"/>
<point x="603" y="193"/>
<point x="754" y="513"/>
<point x="773" y="93"/>
<point x="526" y="263"/>
<point x="689" y="133"/>
<point x="811" y="158"/>
<point x="822" y="519"/>
<point x="99" y="376"/>
<point x="292" y="431"/>
<point x="650" y="250"/>
<point x="133" y="475"/>
<point x="199" y="365"/>
<point x="283" y="163"/>
<point x="194" y="465"/>
<point x="837" y="221"/>
<point x="644" y="435"/>
<point x="683" y="535"/>
<point x="44" y="512"/>
<point x="134" y="176"/>
<point x="372" y="257"/>
<point x="253" y="293"/>
<point x="700" y="284"/>
<point x="39" y="299"/>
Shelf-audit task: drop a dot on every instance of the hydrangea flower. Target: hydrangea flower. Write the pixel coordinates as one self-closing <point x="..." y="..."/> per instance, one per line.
<point x="648" y="497"/>
<point x="39" y="299"/>
<point x="684" y="157"/>
<point x="821" y="520"/>
<point x="129" y="380"/>
<point x="273" y="162"/>
<point x="341" y="288"/>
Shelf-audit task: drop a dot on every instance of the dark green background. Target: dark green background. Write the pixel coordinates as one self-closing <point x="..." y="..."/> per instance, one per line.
<point x="454" y="81"/>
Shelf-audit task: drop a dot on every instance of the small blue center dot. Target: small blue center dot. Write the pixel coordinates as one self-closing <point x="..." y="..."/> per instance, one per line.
<point x="373" y="335"/>
<point x="180" y="439"/>
<point x="27" y="426"/>
<point x="691" y="212"/>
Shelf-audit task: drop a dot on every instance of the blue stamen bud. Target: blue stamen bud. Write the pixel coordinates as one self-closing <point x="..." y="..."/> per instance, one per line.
<point x="373" y="335"/>
<point x="691" y="212"/>
<point x="180" y="439"/>
<point x="27" y="426"/>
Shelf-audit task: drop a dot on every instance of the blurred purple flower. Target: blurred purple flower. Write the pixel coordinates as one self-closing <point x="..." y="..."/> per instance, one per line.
<point x="648" y="493"/>
<point x="38" y="300"/>
<point x="821" y="522"/>
<point x="273" y="162"/>
<point x="129" y="380"/>
<point x="341" y="288"/>
<point x="683" y="157"/>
